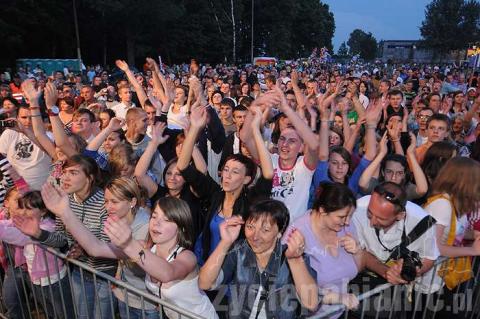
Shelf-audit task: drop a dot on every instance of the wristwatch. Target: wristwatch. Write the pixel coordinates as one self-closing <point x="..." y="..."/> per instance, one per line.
<point x="53" y="111"/>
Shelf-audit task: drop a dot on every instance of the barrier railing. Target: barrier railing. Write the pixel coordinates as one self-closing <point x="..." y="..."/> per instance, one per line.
<point x="53" y="298"/>
<point x="24" y="299"/>
<point x="404" y="302"/>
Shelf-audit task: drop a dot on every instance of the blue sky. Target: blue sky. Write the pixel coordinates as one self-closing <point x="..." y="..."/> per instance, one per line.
<point x="385" y="19"/>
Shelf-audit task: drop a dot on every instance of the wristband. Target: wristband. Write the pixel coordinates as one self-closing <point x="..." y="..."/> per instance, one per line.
<point x="36" y="115"/>
<point x="141" y="257"/>
<point x="370" y="126"/>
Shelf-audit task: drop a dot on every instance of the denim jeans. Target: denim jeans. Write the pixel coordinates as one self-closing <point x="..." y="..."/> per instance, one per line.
<point x="16" y="286"/>
<point x="135" y="313"/>
<point x="50" y="297"/>
<point x="94" y="300"/>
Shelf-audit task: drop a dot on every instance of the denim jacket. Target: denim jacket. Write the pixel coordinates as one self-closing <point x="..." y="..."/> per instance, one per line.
<point x="243" y="278"/>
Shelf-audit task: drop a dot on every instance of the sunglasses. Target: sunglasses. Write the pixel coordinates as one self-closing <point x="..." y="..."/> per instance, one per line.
<point x="389" y="196"/>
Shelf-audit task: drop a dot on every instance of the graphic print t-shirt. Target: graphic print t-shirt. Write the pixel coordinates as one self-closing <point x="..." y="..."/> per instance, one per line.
<point x="32" y="163"/>
<point x="291" y="185"/>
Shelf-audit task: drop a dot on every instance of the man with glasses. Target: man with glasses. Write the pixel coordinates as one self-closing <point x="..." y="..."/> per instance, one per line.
<point x="383" y="220"/>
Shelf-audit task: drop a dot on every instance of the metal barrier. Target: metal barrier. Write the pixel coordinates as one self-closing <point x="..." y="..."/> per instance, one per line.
<point x="30" y="301"/>
<point x="33" y="301"/>
<point x="397" y="304"/>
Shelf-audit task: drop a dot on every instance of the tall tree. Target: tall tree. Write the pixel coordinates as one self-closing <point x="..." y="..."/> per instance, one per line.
<point x="451" y="24"/>
<point x="362" y="43"/>
<point x="342" y="50"/>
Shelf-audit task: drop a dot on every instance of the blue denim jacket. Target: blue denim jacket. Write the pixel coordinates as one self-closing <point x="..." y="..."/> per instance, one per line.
<point x="244" y="278"/>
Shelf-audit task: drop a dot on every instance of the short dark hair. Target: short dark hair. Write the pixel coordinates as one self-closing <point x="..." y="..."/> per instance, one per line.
<point x="333" y="196"/>
<point x="229" y="102"/>
<point x="240" y="108"/>
<point x="250" y="166"/>
<point x="439" y="117"/>
<point x="272" y="208"/>
<point x="81" y="112"/>
<point x="394" y="92"/>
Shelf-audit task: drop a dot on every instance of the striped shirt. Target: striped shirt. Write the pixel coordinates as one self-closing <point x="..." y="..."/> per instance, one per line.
<point x="92" y="214"/>
<point x="6" y="182"/>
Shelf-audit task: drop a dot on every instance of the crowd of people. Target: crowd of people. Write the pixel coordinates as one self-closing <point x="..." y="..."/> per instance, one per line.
<point x="237" y="192"/>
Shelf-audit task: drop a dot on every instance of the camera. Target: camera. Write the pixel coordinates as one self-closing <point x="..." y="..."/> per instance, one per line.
<point x="5" y="123"/>
<point x="411" y="260"/>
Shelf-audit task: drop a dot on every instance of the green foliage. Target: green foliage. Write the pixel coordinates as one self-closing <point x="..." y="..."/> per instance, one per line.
<point x="451" y="24"/>
<point x="342" y="50"/>
<point x="362" y="43"/>
<point x="175" y="29"/>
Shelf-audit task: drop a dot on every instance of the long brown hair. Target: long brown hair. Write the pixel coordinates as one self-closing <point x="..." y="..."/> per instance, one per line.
<point x="177" y="211"/>
<point x="459" y="178"/>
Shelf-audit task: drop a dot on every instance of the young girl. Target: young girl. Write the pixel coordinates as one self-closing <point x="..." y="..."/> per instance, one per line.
<point x="167" y="258"/>
<point x="47" y="273"/>
<point x="123" y="201"/>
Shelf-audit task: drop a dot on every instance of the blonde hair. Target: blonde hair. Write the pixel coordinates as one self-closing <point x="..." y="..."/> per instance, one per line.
<point x="133" y="113"/>
<point x="120" y="157"/>
<point x="124" y="188"/>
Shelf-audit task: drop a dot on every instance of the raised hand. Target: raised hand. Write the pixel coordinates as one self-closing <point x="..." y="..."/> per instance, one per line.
<point x="383" y="145"/>
<point x="51" y="95"/>
<point x="116" y="124"/>
<point x="28" y="224"/>
<point x="295" y="243"/>
<point x="122" y="65"/>
<point x="230" y="229"/>
<point x="56" y="200"/>
<point x="119" y="231"/>
<point x="393" y="130"/>
<point x="198" y="117"/>
<point x="152" y="64"/>
<point x="157" y="133"/>
<point x="294" y="77"/>
<point x="413" y="144"/>
<point x="257" y="116"/>
<point x="29" y="91"/>
<point x="373" y="112"/>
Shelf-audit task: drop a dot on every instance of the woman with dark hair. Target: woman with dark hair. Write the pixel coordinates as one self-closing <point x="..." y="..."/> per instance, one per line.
<point x="10" y="107"/>
<point x="234" y="195"/>
<point x="395" y="168"/>
<point x="263" y="267"/>
<point x="330" y="243"/>
<point x="175" y="184"/>
<point x="105" y="116"/>
<point x="215" y="100"/>
<point x="335" y="163"/>
<point x="437" y="155"/>
<point x="66" y="106"/>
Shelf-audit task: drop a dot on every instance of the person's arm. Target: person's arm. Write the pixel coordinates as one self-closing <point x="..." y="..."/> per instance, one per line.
<point x="142" y="97"/>
<point x="421" y="183"/>
<point x="393" y="130"/>
<point x="61" y="138"/>
<point x="33" y="97"/>
<point x="265" y="101"/>
<point x="310" y="139"/>
<point x="229" y="232"/>
<point x="215" y="130"/>
<point x="159" y="84"/>
<point x="263" y="154"/>
<point x="198" y="120"/>
<point x="372" y="117"/>
<point x="30" y="225"/>
<point x="454" y="251"/>
<point x="199" y="161"/>
<point x="57" y="202"/>
<point x="371" y="169"/>
<point x="158" y="267"/>
<point x="115" y="124"/>
<point x="299" y="96"/>
<point x="144" y="162"/>
<point x="375" y="265"/>
<point x="357" y="105"/>
<point x="467" y="120"/>
<point x="323" y="149"/>
<point x="305" y="285"/>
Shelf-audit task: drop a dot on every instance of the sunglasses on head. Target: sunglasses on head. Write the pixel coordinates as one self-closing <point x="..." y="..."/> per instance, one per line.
<point x="391" y="197"/>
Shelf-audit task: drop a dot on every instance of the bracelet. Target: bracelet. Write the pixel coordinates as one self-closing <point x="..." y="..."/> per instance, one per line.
<point x="141" y="257"/>
<point x="36" y="115"/>
<point x="370" y="126"/>
<point x="34" y="108"/>
<point x="395" y="141"/>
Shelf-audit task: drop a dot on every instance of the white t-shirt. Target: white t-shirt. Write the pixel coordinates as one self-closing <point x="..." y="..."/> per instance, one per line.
<point x="292" y="185"/>
<point x="425" y="245"/>
<point x="28" y="159"/>
<point x="121" y="109"/>
<point x="441" y="210"/>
